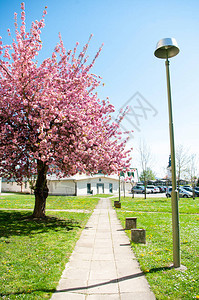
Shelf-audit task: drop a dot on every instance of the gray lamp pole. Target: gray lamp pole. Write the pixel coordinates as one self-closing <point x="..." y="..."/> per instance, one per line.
<point x="165" y="49"/>
<point x="119" y="189"/>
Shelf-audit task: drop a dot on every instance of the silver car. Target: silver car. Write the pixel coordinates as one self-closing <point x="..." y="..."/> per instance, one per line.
<point x="139" y="189"/>
<point x="182" y="193"/>
<point x="154" y="189"/>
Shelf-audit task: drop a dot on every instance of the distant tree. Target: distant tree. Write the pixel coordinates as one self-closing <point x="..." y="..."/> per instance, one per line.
<point x="192" y="171"/>
<point x="147" y="175"/>
<point x="145" y="161"/>
<point x="182" y="161"/>
<point x="51" y="120"/>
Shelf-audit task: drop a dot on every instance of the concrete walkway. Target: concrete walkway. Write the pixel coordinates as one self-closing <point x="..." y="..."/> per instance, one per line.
<point x="102" y="265"/>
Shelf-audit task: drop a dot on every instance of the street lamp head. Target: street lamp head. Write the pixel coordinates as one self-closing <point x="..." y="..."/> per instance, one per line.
<point x="166" y="48"/>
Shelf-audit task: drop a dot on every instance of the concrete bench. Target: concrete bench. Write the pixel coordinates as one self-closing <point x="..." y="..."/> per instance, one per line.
<point x="138" y="236"/>
<point x="117" y="204"/>
<point x="131" y="222"/>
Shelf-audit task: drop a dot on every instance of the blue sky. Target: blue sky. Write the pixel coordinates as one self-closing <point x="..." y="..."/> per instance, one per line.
<point x="130" y="30"/>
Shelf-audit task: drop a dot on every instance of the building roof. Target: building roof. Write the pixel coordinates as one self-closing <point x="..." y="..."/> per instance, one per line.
<point x="78" y="177"/>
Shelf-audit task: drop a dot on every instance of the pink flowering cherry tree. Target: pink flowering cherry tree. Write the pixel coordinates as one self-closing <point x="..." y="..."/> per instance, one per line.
<point x="51" y="120"/>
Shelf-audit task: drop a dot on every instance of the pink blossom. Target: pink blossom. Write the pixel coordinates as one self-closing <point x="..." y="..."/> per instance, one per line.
<point x="23" y="6"/>
<point x="51" y="112"/>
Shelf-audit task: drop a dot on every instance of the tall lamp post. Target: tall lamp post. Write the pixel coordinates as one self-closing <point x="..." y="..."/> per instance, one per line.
<point x="165" y="49"/>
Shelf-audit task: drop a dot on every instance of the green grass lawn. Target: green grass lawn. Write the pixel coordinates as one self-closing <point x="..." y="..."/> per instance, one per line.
<point x="34" y="253"/>
<point x="186" y="205"/>
<point x="156" y="256"/>
<point x="20" y="201"/>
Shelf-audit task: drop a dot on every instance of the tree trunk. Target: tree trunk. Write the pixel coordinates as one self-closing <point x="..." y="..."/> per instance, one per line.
<point x="41" y="190"/>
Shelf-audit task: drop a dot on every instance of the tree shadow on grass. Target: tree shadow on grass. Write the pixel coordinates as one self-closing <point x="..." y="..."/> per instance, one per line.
<point x="155" y="270"/>
<point x="30" y="293"/>
<point x="19" y="223"/>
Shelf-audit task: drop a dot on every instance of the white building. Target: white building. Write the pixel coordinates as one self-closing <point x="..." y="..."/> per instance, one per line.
<point x="13" y="186"/>
<point x="79" y="184"/>
<point x="82" y="184"/>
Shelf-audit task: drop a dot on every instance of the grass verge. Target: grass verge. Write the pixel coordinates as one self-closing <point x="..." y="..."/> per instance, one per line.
<point x="34" y="253"/>
<point x="21" y="201"/>
<point x="156" y="256"/>
<point x="186" y="205"/>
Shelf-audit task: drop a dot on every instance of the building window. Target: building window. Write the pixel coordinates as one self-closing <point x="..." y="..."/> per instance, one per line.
<point x="110" y="187"/>
<point x="100" y="179"/>
<point x="89" y="188"/>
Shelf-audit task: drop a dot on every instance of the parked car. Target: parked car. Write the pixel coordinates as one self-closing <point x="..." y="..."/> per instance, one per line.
<point x="154" y="189"/>
<point x="197" y="189"/>
<point x="168" y="192"/>
<point x="190" y="189"/>
<point x="162" y="189"/>
<point x="186" y="186"/>
<point x="165" y="188"/>
<point x="185" y="194"/>
<point x="182" y="193"/>
<point x="139" y="189"/>
<point x="196" y="192"/>
<point x="157" y="190"/>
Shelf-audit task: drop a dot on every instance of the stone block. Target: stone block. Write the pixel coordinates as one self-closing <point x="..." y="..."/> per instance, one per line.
<point x="117" y="204"/>
<point x="138" y="236"/>
<point x="130" y="223"/>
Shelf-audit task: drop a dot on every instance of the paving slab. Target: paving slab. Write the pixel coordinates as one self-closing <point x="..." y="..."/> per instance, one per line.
<point x="102" y="265"/>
